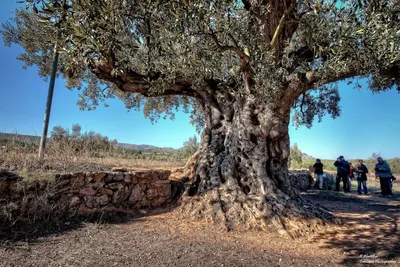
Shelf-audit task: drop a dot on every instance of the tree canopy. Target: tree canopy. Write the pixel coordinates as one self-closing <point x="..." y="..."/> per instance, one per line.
<point x="243" y="66"/>
<point x="160" y="55"/>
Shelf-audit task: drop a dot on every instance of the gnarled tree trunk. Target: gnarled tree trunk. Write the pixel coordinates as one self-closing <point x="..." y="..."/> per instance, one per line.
<point x="241" y="173"/>
<point x="241" y="170"/>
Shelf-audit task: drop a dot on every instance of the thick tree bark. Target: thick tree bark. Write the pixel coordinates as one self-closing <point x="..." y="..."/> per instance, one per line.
<point x="241" y="174"/>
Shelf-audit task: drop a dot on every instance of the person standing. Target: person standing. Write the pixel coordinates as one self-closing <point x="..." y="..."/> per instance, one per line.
<point x="343" y="171"/>
<point x="351" y="176"/>
<point x="318" y="174"/>
<point x="382" y="170"/>
<point x="361" y="171"/>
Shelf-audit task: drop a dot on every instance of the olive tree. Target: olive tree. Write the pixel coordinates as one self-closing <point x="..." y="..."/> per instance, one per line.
<point x="190" y="146"/>
<point x="296" y="156"/>
<point x="243" y="68"/>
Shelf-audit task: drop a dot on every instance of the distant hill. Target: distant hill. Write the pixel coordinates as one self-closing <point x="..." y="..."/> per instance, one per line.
<point x="147" y="148"/>
<point x="20" y="137"/>
<point x="304" y="156"/>
<point x="137" y="147"/>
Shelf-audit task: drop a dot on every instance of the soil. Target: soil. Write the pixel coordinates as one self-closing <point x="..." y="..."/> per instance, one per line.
<point x="369" y="236"/>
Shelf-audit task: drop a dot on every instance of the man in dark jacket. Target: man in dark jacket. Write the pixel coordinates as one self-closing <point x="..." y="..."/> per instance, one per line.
<point x="351" y="176"/>
<point x="318" y="173"/>
<point x="361" y="171"/>
<point x="343" y="171"/>
<point x="382" y="170"/>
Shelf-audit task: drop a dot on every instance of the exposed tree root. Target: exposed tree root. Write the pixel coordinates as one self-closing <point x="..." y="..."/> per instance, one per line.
<point x="234" y="210"/>
<point x="239" y="176"/>
<point x="188" y="170"/>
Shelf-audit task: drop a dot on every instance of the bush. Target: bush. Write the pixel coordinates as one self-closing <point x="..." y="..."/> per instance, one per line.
<point x="190" y="147"/>
<point x="296" y="157"/>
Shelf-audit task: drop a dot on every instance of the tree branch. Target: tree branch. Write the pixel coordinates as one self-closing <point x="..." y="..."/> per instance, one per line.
<point x="233" y="39"/>
<point x="313" y="80"/>
<point x="281" y="24"/>
<point x="278" y="30"/>
<point x="133" y="82"/>
<point x="302" y="105"/>
<point x="223" y="48"/>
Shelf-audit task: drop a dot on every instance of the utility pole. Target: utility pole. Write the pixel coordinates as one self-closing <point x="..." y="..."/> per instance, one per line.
<point x="49" y="100"/>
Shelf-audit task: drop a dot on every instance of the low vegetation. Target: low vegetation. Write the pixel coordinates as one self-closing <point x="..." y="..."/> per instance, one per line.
<point x="299" y="160"/>
<point x="70" y="150"/>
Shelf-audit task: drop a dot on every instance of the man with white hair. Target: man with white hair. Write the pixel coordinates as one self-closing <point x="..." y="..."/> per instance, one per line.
<point x="382" y="170"/>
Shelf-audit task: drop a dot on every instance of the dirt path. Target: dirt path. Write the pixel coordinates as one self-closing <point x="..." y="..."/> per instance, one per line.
<point x="161" y="239"/>
<point x="370" y="230"/>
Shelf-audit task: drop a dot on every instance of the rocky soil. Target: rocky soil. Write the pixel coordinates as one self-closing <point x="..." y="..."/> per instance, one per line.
<point x="369" y="236"/>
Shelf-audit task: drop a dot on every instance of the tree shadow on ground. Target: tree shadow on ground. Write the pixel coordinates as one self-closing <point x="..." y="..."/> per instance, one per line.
<point x="13" y="234"/>
<point x="370" y="229"/>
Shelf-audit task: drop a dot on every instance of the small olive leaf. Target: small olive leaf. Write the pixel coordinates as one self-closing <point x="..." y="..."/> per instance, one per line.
<point x="43" y="20"/>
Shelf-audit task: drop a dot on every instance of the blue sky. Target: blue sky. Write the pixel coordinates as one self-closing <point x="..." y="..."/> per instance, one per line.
<point x="369" y="122"/>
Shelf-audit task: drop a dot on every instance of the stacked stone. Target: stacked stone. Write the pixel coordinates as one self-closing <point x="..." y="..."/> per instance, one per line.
<point x="117" y="189"/>
<point x="300" y="180"/>
<point x="85" y="192"/>
<point x="329" y="181"/>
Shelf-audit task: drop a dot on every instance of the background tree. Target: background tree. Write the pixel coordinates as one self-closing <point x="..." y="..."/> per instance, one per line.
<point x="190" y="146"/>
<point x="375" y="155"/>
<point x="243" y="67"/>
<point x="296" y="156"/>
<point x="92" y="143"/>
<point x="76" y="131"/>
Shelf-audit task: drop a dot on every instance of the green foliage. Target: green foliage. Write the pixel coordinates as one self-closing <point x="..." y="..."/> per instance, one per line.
<point x="89" y="142"/>
<point x="296" y="157"/>
<point x="370" y="163"/>
<point x="374" y="156"/>
<point x="96" y="145"/>
<point x="142" y="49"/>
<point x="328" y="164"/>
<point x="190" y="146"/>
<point x="395" y="165"/>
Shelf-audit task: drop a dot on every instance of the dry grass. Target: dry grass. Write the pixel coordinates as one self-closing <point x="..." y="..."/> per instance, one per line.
<point x="37" y="210"/>
<point x="31" y="208"/>
<point x="23" y="159"/>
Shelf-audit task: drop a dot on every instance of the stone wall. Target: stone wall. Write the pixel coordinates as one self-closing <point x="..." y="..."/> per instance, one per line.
<point x="300" y="179"/>
<point x="303" y="179"/>
<point x="71" y="193"/>
<point x="84" y="192"/>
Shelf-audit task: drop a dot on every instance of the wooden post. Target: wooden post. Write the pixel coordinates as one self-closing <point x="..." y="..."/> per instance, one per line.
<point x="49" y="101"/>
